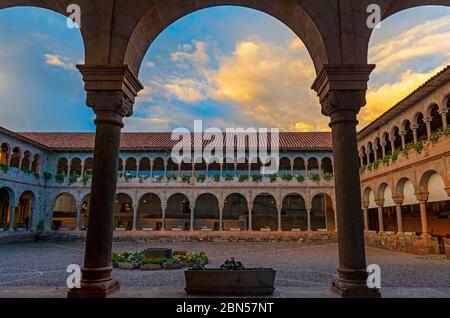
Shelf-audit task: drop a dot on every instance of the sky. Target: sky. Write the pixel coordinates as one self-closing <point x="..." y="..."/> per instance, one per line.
<point x="227" y="66"/>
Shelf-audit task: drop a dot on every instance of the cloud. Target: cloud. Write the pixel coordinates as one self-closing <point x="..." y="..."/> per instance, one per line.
<point x="430" y="39"/>
<point x="186" y="90"/>
<point x="58" y="61"/>
<point x="382" y="98"/>
<point x="196" y="54"/>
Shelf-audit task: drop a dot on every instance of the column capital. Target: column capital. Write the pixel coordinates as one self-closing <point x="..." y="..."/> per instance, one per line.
<point x="365" y="204"/>
<point x="398" y="199"/>
<point x="379" y="202"/>
<point x="422" y="196"/>
<point x="414" y="126"/>
<point x="110" y="88"/>
<point x="443" y="111"/>
<point x="342" y="87"/>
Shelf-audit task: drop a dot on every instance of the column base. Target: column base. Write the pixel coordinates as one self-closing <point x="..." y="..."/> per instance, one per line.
<point x="94" y="290"/>
<point x="353" y="290"/>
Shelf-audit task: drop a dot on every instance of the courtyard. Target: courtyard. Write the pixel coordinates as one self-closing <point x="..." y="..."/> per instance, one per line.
<point x="303" y="270"/>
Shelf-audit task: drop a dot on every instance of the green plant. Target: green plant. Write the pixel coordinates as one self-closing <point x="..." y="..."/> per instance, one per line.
<point x="362" y="169"/>
<point x="287" y="177"/>
<point x="273" y="178"/>
<point x="377" y="163"/>
<point x="243" y="178"/>
<point x="434" y="138"/>
<point x="446" y="131"/>
<point x="36" y="175"/>
<point x="418" y="147"/>
<point x="27" y="171"/>
<point x="201" y="179"/>
<point x="387" y="160"/>
<point x="395" y="155"/>
<point x="232" y="265"/>
<point x="300" y="178"/>
<point x="257" y="178"/>
<point x="327" y="177"/>
<point x="72" y="178"/>
<point x="186" y="179"/>
<point x="47" y="176"/>
<point x="159" y="179"/>
<point x="117" y="258"/>
<point x="127" y="177"/>
<point x="406" y="150"/>
<point x="229" y="177"/>
<point x="154" y="261"/>
<point x="216" y="178"/>
<point x="86" y="178"/>
<point x="4" y="168"/>
<point x="315" y="177"/>
<point x="60" y="177"/>
<point x="172" y="177"/>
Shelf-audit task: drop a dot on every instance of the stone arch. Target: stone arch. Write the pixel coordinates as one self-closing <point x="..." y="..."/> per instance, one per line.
<point x="424" y="180"/>
<point x="405" y="127"/>
<point x="84" y="211"/>
<point x="265" y="212"/>
<point x="64" y="214"/>
<point x="155" y="18"/>
<point x="26" y="161"/>
<point x="24" y="217"/>
<point x="235" y="212"/>
<point x="145" y="167"/>
<point x="322" y="212"/>
<point x="15" y="157"/>
<point x="76" y="166"/>
<point x="293" y="213"/>
<point x="89" y="166"/>
<point x="285" y="165"/>
<point x="158" y="167"/>
<point x="433" y="114"/>
<point x="149" y="214"/>
<point x="5" y="148"/>
<point x="63" y="166"/>
<point x="178" y="212"/>
<point x="6" y="200"/>
<point x="206" y="212"/>
<point x="327" y="165"/>
<point x="123" y="212"/>
<point x="419" y="121"/>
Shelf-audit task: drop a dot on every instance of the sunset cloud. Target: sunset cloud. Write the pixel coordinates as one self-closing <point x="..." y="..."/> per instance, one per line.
<point x="58" y="61"/>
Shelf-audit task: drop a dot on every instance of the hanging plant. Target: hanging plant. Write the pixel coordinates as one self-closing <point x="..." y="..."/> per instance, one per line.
<point x="4" y="168"/>
<point x="243" y="178"/>
<point x="186" y="179"/>
<point x="59" y="178"/>
<point x="418" y="147"/>
<point x="86" y="179"/>
<point x="362" y="169"/>
<point x="387" y="160"/>
<point x="201" y="179"/>
<point x="434" y="138"/>
<point x="172" y="178"/>
<point x="287" y="177"/>
<point x="300" y="179"/>
<point x="73" y="178"/>
<point x="47" y="176"/>
<point x="447" y="131"/>
<point x="216" y="178"/>
<point x="257" y="178"/>
<point x="273" y="178"/>
<point x="229" y="177"/>
<point x="315" y="177"/>
<point x="327" y="177"/>
<point x="36" y="175"/>
<point x="395" y="155"/>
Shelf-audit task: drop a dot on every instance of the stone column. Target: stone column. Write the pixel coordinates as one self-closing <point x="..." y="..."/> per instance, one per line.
<point x="443" y="113"/>
<point x="414" y="128"/>
<point x="12" y="207"/>
<point x="403" y="136"/>
<point x="342" y="90"/>
<point x="279" y="208"/>
<point x="163" y="221"/>
<point x="375" y="152"/>
<point x="422" y="197"/>
<point x="111" y="91"/>
<point x="250" y="212"/>
<point x="398" y="200"/>
<point x="335" y="218"/>
<point x="365" y="206"/>
<point x="392" y="140"/>
<point x="380" y="204"/>
<point x="135" y="216"/>
<point x="192" y="224"/>
<point x="221" y="208"/>
<point x="428" y="124"/>
<point x="79" y="207"/>
<point x="383" y="148"/>
<point x="308" y="216"/>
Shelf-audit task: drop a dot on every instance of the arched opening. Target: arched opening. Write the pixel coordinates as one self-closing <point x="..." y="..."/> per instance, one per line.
<point x="15" y="158"/>
<point x="265" y="213"/>
<point x="322" y="213"/>
<point x="436" y="119"/>
<point x="410" y="206"/>
<point x="419" y="121"/>
<point x="327" y="166"/>
<point x="5" y="208"/>
<point x="123" y="212"/>
<point x="186" y="169"/>
<point x="64" y="213"/>
<point x="285" y="166"/>
<point x="313" y="166"/>
<point x="299" y="167"/>
<point x="84" y="213"/>
<point x="206" y="213"/>
<point x="158" y="167"/>
<point x="370" y="152"/>
<point x="378" y="149"/>
<point x="63" y="167"/>
<point x="389" y="210"/>
<point x="121" y="167"/>
<point x="36" y="164"/>
<point x="200" y="168"/>
<point x="89" y="166"/>
<point x="149" y="216"/>
<point x="131" y="167"/>
<point x="363" y="154"/>
<point x="172" y="169"/>
<point x="409" y="135"/>
<point x="75" y="167"/>
<point x="178" y="213"/>
<point x="24" y="213"/>
<point x="235" y="213"/>
<point x="4" y="154"/>
<point x="214" y="169"/>
<point x="26" y="162"/>
<point x="372" y="213"/>
<point x="395" y="133"/>
<point x="294" y="214"/>
<point x="145" y="167"/>
<point x="229" y="168"/>
<point x="242" y="167"/>
<point x="387" y="143"/>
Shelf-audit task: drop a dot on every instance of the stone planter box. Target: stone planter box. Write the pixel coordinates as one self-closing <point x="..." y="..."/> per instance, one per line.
<point x="220" y="282"/>
<point x="153" y="253"/>
<point x="150" y="267"/>
<point x="170" y="266"/>
<point x="127" y="266"/>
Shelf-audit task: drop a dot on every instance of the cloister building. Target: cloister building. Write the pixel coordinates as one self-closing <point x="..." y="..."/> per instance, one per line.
<point x="46" y="178"/>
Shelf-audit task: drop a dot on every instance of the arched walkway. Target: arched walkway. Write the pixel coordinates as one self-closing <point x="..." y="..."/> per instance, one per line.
<point x="235" y="213"/>
<point x="149" y="216"/>
<point x="5" y="208"/>
<point x="265" y="213"/>
<point x="322" y="212"/>
<point x="23" y="219"/>
<point x="293" y="213"/>
<point x="64" y="213"/>
<point x="207" y="213"/>
<point x="178" y="213"/>
<point x="123" y="212"/>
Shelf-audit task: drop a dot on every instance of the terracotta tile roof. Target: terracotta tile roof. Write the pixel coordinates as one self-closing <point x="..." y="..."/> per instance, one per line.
<point x="289" y="141"/>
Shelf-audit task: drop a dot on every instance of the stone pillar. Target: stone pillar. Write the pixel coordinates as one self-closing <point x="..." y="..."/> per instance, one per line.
<point x="375" y="152"/>
<point x="192" y="224"/>
<point x="365" y="206"/>
<point x="342" y="90"/>
<point x="111" y="91"/>
<point x="163" y="221"/>
<point x="79" y="207"/>
<point x="443" y="113"/>
<point x="392" y="140"/>
<point x="250" y="212"/>
<point x="428" y="124"/>
<point x="335" y="218"/>
<point x="308" y="216"/>
<point x="279" y="208"/>
<point x="422" y="197"/>
<point x="135" y="216"/>
<point x="380" y="204"/>
<point x="403" y="136"/>
<point x="383" y="148"/>
<point x="398" y="209"/>
<point x="12" y="207"/>
<point x="221" y="208"/>
<point x="138" y="167"/>
<point x="414" y="128"/>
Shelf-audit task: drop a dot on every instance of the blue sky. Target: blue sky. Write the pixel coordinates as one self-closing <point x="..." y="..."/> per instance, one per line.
<point x="229" y="66"/>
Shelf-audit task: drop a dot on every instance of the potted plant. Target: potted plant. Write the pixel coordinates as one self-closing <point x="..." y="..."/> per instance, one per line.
<point x="232" y="278"/>
<point x="127" y="260"/>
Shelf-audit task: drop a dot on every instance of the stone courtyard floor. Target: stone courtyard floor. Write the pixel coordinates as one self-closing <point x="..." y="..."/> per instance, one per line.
<point x="303" y="270"/>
